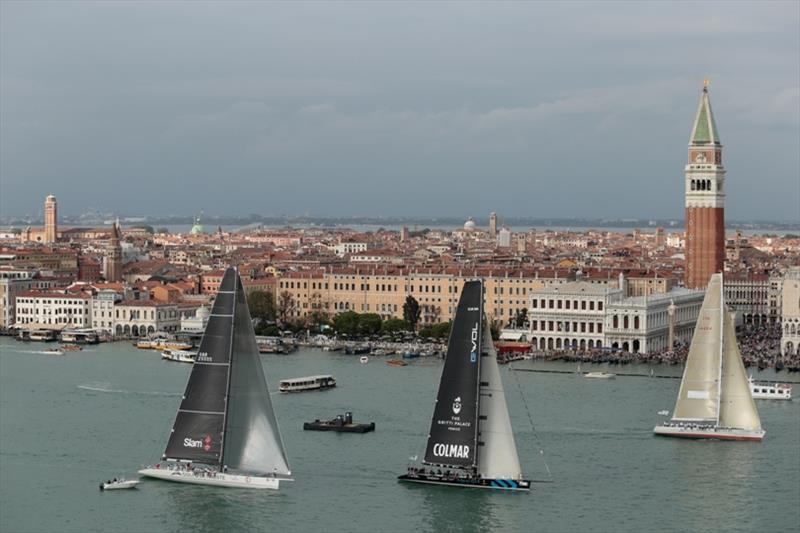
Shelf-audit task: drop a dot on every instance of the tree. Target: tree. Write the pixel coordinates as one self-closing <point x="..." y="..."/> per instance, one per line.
<point x="393" y="325"/>
<point x="495" y="329"/>
<point x="369" y="324"/>
<point x="317" y="319"/>
<point x="411" y="312"/>
<point x="346" y="323"/>
<point x="262" y="305"/>
<point x="286" y="306"/>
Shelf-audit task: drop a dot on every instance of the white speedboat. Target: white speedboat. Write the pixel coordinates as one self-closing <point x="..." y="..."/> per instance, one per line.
<point x="53" y="351"/>
<point x="769" y="391"/>
<point x="364" y="359"/>
<point x="599" y="375"/>
<point x="118" y="484"/>
<point x="179" y="356"/>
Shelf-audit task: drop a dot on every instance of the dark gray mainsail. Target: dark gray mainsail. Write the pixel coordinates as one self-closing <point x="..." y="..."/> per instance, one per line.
<point x="226" y="417"/>
<point x="453" y="436"/>
<point x="253" y="442"/>
<point x="198" y="429"/>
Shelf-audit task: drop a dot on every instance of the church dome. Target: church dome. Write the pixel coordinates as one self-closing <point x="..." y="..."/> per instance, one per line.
<point x="197" y="227"/>
<point x="469" y="225"/>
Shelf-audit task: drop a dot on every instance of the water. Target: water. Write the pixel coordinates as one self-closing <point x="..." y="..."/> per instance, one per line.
<point x="66" y="423"/>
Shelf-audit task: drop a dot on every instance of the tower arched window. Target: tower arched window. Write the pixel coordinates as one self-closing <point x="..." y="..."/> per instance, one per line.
<point x="693" y="185"/>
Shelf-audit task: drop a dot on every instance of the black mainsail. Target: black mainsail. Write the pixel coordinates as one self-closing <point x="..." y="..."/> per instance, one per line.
<point x="226" y="416"/>
<point x="453" y="437"/>
<point x="198" y="430"/>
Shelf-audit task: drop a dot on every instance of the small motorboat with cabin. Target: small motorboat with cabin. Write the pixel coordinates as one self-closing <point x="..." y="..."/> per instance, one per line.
<point x="307" y="383"/>
<point x="396" y="362"/>
<point x="340" y="424"/>
<point x="179" y="356"/>
<point x="599" y="375"/>
<point x="769" y="391"/>
<point x="119" y="484"/>
<point x="363" y="359"/>
<point x="53" y="351"/>
<point x="71" y="347"/>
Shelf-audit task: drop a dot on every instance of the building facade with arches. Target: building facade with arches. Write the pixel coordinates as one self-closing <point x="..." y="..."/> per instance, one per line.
<point x="790" y="322"/>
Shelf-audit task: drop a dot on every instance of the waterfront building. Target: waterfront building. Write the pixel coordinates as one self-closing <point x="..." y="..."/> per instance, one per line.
<point x="582" y="316"/>
<point x="50" y="219"/>
<point x="704" y="199"/>
<point x="195" y="323"/>
<point x="53" y="308"/>
<point x="571" y="315"/>
<point x="102" y="311"/>
<point x="13" y="282"/>
<point x="790" y="319"/>
<point x="140" y="318"/>
<point x="755" y="298"/>
<point x="644" y="324"/>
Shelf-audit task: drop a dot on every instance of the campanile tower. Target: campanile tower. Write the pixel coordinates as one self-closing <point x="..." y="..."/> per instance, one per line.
<point x="705" y="199"/>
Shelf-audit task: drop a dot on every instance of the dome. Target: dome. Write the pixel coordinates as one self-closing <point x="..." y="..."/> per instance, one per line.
<point x="197" y="228"/>
<point x="469" y="225"/>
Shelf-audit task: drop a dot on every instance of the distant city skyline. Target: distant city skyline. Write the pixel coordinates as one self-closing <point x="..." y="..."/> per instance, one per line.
<point x="447" y="110"/>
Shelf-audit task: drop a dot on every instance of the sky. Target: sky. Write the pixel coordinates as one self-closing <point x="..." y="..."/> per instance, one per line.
<point x="539" y="109"/>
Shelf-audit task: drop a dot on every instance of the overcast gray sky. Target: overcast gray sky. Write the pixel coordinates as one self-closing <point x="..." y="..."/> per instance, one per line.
<point x="541" y="109"/>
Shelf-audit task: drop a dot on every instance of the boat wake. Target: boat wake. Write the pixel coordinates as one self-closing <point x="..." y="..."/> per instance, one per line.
<point x="106" y="388"/>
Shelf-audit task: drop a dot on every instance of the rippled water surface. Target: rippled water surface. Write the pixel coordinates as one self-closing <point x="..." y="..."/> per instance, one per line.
<point x="66" y="423"/>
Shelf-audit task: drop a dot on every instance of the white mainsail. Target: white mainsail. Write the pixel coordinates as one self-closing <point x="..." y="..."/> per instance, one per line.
<point x="737" y="407"/>
<point x="497" y="457"/>
<point x="698" y="399"/>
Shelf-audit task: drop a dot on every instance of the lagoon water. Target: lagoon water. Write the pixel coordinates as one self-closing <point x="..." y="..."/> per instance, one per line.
<point x="68" y="422"/>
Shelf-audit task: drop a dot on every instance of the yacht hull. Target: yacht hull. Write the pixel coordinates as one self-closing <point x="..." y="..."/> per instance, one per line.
<point x="709" y="433"/>
<point x="216" y="480"/>
<point x="497" y="484"/>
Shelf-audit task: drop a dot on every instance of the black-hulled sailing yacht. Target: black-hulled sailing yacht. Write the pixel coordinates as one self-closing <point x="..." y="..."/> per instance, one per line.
<point x="471" y="443"/>
<point x="225" y="432"/>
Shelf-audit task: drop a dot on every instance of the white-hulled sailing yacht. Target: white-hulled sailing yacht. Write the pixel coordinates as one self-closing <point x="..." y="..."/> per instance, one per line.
<point x="471" y="442"/>
<point x="714" y="401"/>
<point x="225" y="432"/>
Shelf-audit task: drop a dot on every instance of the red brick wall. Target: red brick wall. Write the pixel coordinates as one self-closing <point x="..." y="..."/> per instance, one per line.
<point x="705" y="245"/>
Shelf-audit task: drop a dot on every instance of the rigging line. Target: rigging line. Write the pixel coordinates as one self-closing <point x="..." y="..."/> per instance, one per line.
<point x="533" y="427"/>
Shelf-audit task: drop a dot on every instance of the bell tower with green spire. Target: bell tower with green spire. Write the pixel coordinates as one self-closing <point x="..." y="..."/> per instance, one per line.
<point x="704" y="199"/>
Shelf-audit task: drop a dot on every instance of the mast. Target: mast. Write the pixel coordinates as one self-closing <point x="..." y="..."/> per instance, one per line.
<point x="453" y="433"/>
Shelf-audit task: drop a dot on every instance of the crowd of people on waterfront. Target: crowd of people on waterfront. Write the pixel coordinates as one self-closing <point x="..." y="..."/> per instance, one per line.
<point x="758" y="343"/>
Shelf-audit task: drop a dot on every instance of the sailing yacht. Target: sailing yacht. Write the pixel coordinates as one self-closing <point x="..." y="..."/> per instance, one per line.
<point x="714" y="401"/>
<point x="225" y="432"/>
<point x="471" y="443"/>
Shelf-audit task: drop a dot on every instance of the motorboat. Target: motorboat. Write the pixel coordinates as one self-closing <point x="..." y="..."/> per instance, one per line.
<point x="599" y="375"/>
<point x="396" y="362"/>
<point x="53" y="351"/>
<point x="340" y="424"/>
<point x="118" y="484"/>
<point x="179" y="356"/>
<point x="769" y="391"/>
<point x="363" y="359"/>
<point x="307" y="383"/>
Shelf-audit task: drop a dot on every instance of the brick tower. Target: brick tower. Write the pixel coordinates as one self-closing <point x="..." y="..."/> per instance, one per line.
<point x="50" y="219"/>
<point x="113" y="266"/>
<point x="705" y="199"/>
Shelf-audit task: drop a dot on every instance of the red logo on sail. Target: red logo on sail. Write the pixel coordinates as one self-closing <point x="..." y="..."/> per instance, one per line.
<point x="207" y="443"/>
